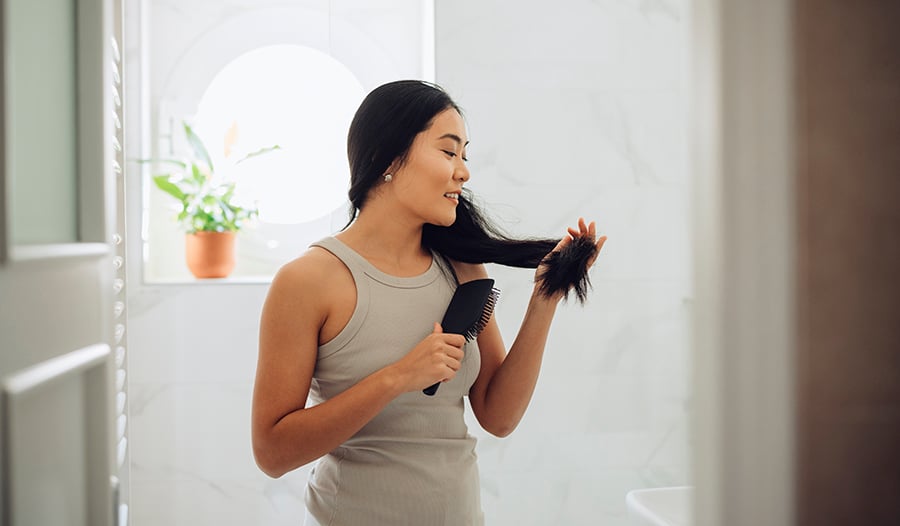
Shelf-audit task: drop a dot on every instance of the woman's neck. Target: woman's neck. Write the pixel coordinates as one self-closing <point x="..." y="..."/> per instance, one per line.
<point x="382" y="236"/>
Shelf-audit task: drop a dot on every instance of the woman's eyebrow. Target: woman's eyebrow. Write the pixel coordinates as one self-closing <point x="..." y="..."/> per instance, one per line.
<point x="454" y="137"/>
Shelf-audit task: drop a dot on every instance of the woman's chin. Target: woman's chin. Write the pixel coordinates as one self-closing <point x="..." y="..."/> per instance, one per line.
<point x="444" y="221"/>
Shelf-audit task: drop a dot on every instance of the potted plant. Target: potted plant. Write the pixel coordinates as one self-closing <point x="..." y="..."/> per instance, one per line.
<point x="209" y="215"/>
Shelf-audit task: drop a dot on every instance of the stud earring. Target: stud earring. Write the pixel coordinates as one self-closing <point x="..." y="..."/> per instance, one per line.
<point x="388" y="178"/>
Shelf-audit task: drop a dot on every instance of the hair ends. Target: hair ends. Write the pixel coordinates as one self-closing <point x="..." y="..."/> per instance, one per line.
<point x="566" y="270"/>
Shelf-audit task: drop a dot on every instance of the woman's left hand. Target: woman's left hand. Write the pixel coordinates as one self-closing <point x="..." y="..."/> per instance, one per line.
<point x="588" y="230"/>
<point x="556" y="289"/>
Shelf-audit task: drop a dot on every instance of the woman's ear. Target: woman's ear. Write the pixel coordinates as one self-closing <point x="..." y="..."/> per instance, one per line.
<point x="396" y="165"/>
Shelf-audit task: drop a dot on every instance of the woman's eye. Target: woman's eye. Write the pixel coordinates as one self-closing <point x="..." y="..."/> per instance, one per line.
<point x="451" y="154"/>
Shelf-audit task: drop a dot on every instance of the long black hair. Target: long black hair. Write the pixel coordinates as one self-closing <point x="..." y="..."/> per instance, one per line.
<point x="382" y="132"/>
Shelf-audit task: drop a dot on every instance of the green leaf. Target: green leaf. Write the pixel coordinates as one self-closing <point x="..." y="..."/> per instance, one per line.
<point x="166" y="185"/>
<point x="196" y="174"/>
<point x="257" y="153"/>
<point x="197" y="146"/>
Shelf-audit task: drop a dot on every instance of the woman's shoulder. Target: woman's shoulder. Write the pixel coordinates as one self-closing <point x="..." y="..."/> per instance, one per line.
<point x="312" y="288"/>
<point x="311" y="270"/>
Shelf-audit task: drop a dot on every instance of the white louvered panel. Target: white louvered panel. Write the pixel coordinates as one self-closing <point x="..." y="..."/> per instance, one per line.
<point x="121" y="399"/>
<point x="122" y="452"/>
<point x="121" y="426"/>
<point x="120" y="293"/>
<point x="120" y="379"/>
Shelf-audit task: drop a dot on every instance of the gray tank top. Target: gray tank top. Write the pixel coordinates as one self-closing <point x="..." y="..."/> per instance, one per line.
<point x="414" y="463"/>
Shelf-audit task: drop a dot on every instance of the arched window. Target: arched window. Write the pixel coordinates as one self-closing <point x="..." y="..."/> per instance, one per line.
<point x="299" y="99"/>
<point x="291" y="77"/>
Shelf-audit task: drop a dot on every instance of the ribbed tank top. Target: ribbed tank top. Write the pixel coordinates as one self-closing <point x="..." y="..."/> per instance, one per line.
<point x="414" y="463"/>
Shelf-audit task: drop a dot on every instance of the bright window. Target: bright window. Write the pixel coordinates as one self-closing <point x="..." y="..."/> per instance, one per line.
<point x="287" y="75"/>
<point x="299" y="99"/>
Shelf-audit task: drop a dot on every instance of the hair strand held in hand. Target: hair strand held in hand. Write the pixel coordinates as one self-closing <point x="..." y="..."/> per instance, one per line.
<point x="566" y="270"/>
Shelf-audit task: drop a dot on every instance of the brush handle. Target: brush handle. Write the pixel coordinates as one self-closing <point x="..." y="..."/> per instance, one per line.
<point x="470" y="307"/>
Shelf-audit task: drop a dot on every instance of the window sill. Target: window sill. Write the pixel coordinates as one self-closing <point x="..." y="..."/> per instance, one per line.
<point x="205" y="282"/>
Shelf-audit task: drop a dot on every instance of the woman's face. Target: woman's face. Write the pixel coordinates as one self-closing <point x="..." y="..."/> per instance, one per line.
<point x="429" y="182"/>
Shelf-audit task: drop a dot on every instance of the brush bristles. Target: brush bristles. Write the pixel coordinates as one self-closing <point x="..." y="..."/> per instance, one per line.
<point x="486" y="313"/>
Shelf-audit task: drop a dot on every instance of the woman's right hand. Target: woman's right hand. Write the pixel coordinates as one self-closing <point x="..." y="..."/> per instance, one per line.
<point x="437" y="358"/>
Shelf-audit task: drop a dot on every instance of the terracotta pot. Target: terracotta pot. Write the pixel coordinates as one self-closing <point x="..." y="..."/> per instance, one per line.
<point x="210" y="254"/>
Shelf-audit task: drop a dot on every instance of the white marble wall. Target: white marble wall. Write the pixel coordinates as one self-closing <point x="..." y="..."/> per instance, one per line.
<point x="577" y="108"/>
<point x="574" y="108"/>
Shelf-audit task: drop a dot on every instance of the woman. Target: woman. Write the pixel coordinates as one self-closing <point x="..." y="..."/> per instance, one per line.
<point x="353" y="325"/>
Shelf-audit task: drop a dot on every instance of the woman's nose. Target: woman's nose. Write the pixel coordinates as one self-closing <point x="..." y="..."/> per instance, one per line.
<point x="461" y="173"/>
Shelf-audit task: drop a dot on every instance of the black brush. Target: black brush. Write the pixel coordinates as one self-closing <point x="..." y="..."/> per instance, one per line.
<point x="468" y="313"/>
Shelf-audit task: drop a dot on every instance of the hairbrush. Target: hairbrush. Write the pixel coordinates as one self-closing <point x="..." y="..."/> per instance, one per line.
<point x="469" y="311"/>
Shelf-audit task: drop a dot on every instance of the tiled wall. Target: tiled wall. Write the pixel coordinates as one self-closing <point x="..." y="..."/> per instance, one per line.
<point x="574" y="109"/>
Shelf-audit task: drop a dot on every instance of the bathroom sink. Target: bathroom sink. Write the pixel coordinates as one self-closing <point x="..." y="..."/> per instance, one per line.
<point x="660" y="506"/>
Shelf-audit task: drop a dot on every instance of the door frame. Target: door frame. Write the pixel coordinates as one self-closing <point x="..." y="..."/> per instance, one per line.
<point x="29" y="366"/>
<point x="744" y="218"/>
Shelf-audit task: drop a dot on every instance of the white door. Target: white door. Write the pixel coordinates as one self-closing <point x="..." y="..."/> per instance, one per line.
<point x="58" y="431"/>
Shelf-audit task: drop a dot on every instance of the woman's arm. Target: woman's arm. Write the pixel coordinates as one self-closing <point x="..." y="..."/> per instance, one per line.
<point x="503" y="389"/>
<point x="506" y="382"/>
<point x="285" y="433"/>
